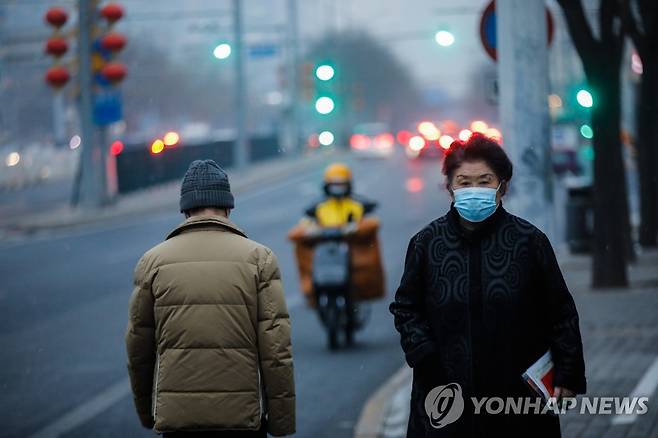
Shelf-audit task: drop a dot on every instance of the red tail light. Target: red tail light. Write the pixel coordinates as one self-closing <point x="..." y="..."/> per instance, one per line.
<point x="384" y="141"/>
<point x="359" y="141"/>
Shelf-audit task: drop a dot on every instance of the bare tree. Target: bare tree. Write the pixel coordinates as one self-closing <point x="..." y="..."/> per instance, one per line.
<point x="370" y="79"/>
<point x="640" y="18"/>
<point x="601" y="58"/>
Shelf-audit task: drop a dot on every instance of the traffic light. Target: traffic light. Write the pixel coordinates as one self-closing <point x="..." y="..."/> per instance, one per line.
<point x="584" y="98"/>
<point x="325" y="74"/>
<point x="444" y="38"/>
<point x="586" y="131"/>
<point x="324" y="105"/>
<point x="222" y="51"/>
<point x="326" y="138"/>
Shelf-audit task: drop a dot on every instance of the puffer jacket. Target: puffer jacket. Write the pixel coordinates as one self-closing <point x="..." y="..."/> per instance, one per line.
<point x="208" y="337"/>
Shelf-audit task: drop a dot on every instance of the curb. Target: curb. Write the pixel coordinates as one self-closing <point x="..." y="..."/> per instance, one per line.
<point x="373" y="421"/>
<point x="257" y="176"/>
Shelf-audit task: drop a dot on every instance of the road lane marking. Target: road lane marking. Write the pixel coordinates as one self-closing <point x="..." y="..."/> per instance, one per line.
<point x="85" y="411"/>
<point x="644" y="388"/>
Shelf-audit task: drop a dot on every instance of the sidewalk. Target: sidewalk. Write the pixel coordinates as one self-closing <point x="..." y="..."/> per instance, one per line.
<point x="620" y="337"/>
<point x="159" y="198"/>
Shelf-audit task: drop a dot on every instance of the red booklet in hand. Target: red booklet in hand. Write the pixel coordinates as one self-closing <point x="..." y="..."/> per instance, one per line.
<point x="539" y="376"/>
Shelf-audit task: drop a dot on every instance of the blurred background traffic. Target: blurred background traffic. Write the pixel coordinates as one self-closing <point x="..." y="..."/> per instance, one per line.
<point x="105" y="104"/>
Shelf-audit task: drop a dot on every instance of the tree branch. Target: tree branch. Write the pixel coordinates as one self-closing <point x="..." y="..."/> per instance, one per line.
<point x="649" y="11"/>
<point x="579" y="29"/>
<point x="631" y="27"/>
<point x="612" y="31"/>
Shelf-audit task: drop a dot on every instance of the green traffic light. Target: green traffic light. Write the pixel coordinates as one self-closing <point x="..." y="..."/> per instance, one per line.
<point x="444" y="38"/>
<point x="325" y="72"/>
<point x="586" y="131"/>
<point x="324" y="105"/>
<point x="222" y="51"/>
<point x="326" y="138"/>
<point x="585" y="98"/>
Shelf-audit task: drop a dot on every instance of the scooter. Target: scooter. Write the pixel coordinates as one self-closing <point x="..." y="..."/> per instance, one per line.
<point x="339" y="313"/>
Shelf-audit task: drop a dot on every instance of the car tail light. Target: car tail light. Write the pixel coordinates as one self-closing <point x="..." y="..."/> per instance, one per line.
<point x="403" y="137"/>
<point x="384" y="141"/>
<point x="445" y="141"/>
<point x="416" y="143"/>
<point x="359" y="141"/>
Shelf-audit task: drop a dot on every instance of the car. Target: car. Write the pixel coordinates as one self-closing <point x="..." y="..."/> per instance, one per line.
<point x="419" y="147"/>
<point x="424" y="141"/>
<point x="372" y="140"/>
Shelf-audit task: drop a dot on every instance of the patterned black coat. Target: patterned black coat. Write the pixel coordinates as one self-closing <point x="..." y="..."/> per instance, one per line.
<point x="477" y="308"/>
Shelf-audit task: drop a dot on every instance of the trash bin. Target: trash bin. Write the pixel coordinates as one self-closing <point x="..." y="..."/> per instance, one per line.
<point x="580" y="219"/>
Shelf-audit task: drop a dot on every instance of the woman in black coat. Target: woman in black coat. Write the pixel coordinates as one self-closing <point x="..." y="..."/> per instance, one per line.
<point x="481" y="299"/>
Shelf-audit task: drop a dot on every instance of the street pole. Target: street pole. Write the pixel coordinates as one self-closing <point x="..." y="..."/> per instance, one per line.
<point x="523" y="85"/>
<point x="293" y="82"/>
<point x="59" y="119"/>
<point x="240" y="152"/>
<point x="89" y="190"/>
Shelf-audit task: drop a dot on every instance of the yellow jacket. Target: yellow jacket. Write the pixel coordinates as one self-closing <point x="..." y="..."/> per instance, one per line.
<point x="337" y="212"/>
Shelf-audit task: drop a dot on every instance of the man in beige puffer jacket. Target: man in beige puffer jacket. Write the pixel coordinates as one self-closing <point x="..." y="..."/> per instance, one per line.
<point x="208" y="337"/>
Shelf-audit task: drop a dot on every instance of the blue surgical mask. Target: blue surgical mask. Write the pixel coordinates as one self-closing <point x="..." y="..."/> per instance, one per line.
<point x="475" y="204"/>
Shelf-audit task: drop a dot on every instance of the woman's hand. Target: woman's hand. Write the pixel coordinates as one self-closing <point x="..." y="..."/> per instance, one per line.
<point x="561" y="393"/>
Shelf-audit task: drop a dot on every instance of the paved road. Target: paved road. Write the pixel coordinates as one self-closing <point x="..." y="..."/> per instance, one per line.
<point x="63" y="310"/>
<point x="46" y="196"/>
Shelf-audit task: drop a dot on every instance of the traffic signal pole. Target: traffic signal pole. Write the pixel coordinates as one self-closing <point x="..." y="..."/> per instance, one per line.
<point x="523" y="86"/>
<point x="240" y="152"/>
<point x="89" y="189"/>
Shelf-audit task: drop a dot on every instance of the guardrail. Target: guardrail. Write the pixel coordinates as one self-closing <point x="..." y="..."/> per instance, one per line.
<point x="137" y="167"/>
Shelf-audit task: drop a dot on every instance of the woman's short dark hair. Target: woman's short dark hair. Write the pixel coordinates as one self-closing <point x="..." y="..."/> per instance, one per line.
<point x="477" y="148"/>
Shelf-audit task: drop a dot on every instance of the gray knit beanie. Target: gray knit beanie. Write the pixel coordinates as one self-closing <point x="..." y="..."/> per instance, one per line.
<point x="205" y="184"/>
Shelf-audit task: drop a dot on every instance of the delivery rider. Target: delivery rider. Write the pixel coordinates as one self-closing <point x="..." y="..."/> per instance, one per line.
<point x="339" y="207"/>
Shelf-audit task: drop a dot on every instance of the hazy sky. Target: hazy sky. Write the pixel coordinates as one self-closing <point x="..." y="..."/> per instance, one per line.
<point x="409" y="28"/>
<point x="190" y="29"/>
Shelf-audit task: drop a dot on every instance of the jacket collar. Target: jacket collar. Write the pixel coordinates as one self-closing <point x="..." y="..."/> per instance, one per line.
<point x="206" y="222"/>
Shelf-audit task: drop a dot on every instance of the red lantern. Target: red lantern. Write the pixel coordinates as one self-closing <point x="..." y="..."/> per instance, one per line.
<point x="114" y="72"/>
<point x="113" y="42"/>
<point x="57" y="17"/>
<point x="112" y="12"/>
<point x="57" y="76"/>
<point x="57" y="46"/>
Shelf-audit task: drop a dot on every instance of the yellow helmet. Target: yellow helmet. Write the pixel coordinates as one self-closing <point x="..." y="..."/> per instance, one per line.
<point x="337" y="173"/>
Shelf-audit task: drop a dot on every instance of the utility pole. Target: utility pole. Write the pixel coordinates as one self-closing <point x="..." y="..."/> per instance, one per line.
<point x="293" y="119"/>
<point x="4" y="126"/>
<point x="240" y="152"/>
<point x="59" y="120"/>
<point x="523" y="85"/>
<point x="90" y="189"/>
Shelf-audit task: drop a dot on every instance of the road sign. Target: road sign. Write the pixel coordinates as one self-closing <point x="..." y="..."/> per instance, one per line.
<point x="488" y="28"/>
<point x="107" y="106"/>
<point x="262" y="50"/>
